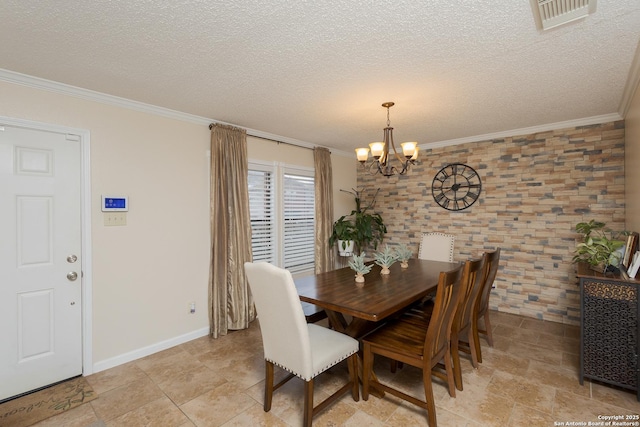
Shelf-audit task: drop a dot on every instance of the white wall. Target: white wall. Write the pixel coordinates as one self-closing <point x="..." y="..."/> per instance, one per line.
<point x="632" y="160"/>
<point x="146" y="273"/>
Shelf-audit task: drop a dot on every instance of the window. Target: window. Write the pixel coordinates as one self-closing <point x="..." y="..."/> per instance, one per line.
<point x="261" y="208"/>
<point x="282" y="207"/>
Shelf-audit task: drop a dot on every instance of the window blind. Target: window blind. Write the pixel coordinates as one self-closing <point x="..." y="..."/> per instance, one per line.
<point x="261" y="208"/>
<point x="299" y="221"/>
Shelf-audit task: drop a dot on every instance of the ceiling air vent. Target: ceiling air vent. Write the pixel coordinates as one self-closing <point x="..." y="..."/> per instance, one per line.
<point x="551" y="13"/>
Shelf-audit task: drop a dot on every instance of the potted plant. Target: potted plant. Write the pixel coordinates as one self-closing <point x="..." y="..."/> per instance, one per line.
<point x="599" y="247"/>
<point x="403" y="254"/>
<point x="358" y="265"/>
<point x="344" y="234"/>
<point x="385" y="259"/>
<point x="362" y="225"/>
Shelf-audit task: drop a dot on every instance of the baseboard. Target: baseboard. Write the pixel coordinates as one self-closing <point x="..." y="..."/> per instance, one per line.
<point x="146" y="351"/>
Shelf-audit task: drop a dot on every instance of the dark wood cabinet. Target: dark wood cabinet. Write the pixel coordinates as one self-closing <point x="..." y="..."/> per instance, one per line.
<point x="609" y="328"/>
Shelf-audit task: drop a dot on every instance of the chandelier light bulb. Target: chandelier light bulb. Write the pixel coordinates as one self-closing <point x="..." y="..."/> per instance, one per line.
<point x="408" y="149"/>
<point x="362" y="154"/>
<point x="376" y="149"/>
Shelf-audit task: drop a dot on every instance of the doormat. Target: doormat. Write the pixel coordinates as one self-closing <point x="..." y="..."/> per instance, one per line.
<point x="32" y="408"/>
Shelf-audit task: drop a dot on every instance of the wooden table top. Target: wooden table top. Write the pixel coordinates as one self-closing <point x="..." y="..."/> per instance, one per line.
<point x="380" y="296"/>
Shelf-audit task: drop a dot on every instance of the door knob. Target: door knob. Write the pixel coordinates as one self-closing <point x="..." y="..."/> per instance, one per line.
<point x="71" y="259"/>
<point x="72" y="275"/>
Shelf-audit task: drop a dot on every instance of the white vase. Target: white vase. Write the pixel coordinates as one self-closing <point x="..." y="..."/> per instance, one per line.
<point x="345" y="247"/>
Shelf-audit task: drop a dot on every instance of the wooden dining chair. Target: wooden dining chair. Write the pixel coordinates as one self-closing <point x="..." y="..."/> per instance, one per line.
<point x="436" y="247"/>
<point x="462" y="336"/>
<point x="303" y="349"/>
<point x="415" y="345"/>
<point x="490" y="269"/>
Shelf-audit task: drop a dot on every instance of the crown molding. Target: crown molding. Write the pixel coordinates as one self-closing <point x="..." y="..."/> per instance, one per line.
<point x="526" y="131"/>
<point x="91" y="95"/>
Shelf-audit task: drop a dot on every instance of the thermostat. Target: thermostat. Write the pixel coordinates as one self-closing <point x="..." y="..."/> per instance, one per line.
<point x="115" y="204"/>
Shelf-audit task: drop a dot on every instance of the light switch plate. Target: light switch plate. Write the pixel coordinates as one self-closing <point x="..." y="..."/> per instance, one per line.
<point x="115" y="218"/>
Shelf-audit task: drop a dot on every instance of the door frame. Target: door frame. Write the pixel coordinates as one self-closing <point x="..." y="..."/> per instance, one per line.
<point x="85" y="219"/>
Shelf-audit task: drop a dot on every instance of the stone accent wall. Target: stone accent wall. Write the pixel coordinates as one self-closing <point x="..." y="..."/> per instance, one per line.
<point x="535" y="188"/>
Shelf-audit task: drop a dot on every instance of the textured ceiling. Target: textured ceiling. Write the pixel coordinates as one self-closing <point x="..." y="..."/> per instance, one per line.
<point x="318" y="71"/>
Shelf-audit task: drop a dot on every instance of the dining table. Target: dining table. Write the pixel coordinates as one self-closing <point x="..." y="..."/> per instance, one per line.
<point x="357" y="308"/>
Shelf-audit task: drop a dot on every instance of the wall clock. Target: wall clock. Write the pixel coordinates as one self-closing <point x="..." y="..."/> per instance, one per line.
<point x="456" y="187"/>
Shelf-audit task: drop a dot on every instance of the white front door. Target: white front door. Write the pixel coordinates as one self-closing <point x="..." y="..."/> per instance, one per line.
<point x="40" y="259"/>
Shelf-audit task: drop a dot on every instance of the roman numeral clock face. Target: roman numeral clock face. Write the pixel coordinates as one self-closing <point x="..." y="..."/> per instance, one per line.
<point x="456" y="187"/>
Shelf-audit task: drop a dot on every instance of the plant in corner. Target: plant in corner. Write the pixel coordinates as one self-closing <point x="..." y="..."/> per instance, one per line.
<point x="362" y="225"/>
<point x="343" y="233"/>
<point x="599" y="247"/>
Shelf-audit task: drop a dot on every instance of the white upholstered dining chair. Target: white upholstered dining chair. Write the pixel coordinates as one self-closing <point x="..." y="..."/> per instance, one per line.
<point x="436" y="247"/>
<point x="303" y="349"/>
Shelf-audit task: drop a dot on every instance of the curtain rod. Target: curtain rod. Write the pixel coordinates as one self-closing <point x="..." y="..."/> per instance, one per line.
<point x="270" y="139"/>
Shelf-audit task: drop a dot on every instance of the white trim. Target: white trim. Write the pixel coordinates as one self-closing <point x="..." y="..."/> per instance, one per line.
<point x="148" y="350"/>
<point x="525" y="131"/>
<point x="85" y="197"/>
<point x="64" y="89"/>
<point x="90" y="95"/>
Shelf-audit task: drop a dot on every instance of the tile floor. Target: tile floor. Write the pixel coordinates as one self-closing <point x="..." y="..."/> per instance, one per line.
<point x="529" y="378"/>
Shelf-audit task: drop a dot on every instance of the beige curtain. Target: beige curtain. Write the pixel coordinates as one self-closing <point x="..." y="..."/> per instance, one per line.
<point x="325" y="256"/>
<point x="230" y="302"/>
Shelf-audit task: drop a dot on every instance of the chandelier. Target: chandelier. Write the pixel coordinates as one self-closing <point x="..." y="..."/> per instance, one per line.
<point x="381" y="161"/>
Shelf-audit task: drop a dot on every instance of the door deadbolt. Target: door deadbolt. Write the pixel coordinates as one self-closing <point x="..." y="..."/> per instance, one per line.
<point x="71" y="259"/>
<point x="72" y="275"/>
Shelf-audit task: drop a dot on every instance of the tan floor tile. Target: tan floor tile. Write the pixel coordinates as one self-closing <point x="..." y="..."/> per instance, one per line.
<point x="523" y="391"/>
<point x="505" y="362"/>
<point x="525" y="416"/>
<point x="499" y="343"/>
<point x="335" y="415"/>
<point x="217" y="406"/>
<point x="379" y="408"/>
<point x="125" y="398"/>
<point x="571" y="361"/>
<point x="558" y="377"/>
<point x="182" y="385"/>
<point x="546" y="327"/>
<point x="572" y="331"/>
<point x="564" y="344"/>
<point x="476" y="403"/>
<point x="360" y="419"/>
<point x="501" y="318"/>
<point x="529" y="377"/>
<point x="115" y="377"/>
<point x="516" y="334"/>
<point x="615" y="396"/>
<point x="80" y="416"/>
<point x="536" y="352"/>
<point x="160" y="412"/>
<point x="569" y="407"/>
<point x="165" y="366"/>
<point x="255" y="416"/>
<point x="203" y="345"/>
<point x="246" y="372"/>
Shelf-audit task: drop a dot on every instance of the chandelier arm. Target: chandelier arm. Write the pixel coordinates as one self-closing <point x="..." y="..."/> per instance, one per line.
<point x="388" y="140"/>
